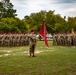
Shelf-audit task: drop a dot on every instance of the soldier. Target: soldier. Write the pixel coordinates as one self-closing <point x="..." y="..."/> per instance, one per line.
<point x="32" y="43"/>
<point x="58" y="39"/>
<point x="1" y="39"/>
<point x="69" y="39"/>
<point x="75" y="39"/>
<point x="54" y="39"/>
<point x="26" y="37"/>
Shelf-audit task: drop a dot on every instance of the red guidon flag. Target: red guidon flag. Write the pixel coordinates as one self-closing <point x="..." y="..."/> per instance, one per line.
<point x="42" y="33"/>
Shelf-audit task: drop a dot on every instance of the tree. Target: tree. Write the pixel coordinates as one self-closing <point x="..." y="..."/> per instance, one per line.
<point x="71" y="23"/>
<point x="54" y="22"/>
<point x="6" y="9"/>
<point x="34" y="21"/>
<point x="12" y="25"/>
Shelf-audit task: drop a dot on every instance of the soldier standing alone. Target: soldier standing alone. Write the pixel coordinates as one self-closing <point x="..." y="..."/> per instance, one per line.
<point x="32" y="43"/>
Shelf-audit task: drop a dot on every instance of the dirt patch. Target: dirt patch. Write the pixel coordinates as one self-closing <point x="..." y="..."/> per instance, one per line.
<point x="8" y="52"/>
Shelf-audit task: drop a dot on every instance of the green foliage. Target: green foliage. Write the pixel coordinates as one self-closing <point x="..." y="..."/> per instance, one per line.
<point x="71" y="23"/>
<point x="54" y="22"/>
<point x="6" y="9"/>
<point x="12" y="25"/>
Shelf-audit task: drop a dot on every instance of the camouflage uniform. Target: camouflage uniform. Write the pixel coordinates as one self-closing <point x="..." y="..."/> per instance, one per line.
<point x="58" y="39"/>
<point x="32" y="43"/>
<point x="54" y="39"/>
<point x="69" y="40"/>
<point x="1" y="39"/>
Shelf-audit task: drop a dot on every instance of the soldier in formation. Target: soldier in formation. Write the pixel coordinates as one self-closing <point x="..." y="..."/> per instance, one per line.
<point x="64" y="39"/>
<point x="13" y="39"/>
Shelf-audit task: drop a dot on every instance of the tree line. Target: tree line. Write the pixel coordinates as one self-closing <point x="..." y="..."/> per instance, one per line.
<point x="9" y="22"/>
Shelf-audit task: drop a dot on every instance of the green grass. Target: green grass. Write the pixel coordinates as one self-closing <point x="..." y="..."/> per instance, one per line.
<point x="55" y="60"/>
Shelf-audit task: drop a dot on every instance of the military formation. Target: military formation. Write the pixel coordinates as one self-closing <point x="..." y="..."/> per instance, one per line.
<point x="22" y="39"/>
<point x="13" y="39"/>
<point x="64" y="39"/>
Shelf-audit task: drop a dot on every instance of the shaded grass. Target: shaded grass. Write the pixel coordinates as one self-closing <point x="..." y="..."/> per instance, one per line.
<point x="55" y="60"/>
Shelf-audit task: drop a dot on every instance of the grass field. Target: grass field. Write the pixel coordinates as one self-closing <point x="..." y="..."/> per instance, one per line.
<point x="55" y="60"/>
